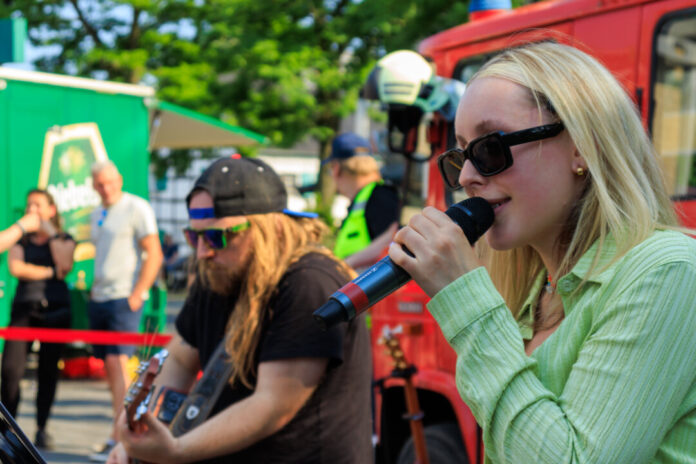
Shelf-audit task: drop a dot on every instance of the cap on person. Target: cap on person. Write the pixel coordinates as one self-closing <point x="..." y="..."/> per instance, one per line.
<point x="241" y="186"/>
<point x="346" y="146"/>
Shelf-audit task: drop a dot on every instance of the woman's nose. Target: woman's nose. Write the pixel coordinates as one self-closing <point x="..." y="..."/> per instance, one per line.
<point x="469" y="175"/>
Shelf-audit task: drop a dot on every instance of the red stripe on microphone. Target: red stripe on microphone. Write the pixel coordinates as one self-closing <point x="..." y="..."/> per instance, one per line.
<point x="356" y="295"/>
<point x="94" y="337"/>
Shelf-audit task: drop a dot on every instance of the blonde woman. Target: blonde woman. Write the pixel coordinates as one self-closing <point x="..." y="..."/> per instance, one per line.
<point x="575" y="323"/>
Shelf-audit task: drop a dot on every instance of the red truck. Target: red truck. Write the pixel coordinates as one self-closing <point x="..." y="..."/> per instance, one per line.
<point x="650" y="46"/>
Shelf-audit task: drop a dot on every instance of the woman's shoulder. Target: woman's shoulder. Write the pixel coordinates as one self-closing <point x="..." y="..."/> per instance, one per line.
<point x="664" y="246"/>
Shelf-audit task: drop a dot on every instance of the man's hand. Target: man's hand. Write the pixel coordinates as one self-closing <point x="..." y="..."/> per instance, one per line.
<point x="117" y="455"/>
<point x="154" y="443"/>
<point x="30" y="222"/>
<point x="135" y="302"/>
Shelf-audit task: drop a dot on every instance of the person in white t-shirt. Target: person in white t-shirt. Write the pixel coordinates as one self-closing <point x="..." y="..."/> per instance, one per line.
<point x="127" y="261"/>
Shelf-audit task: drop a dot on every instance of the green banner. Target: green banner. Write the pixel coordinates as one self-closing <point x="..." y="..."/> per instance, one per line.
<point x="69" y="152"/>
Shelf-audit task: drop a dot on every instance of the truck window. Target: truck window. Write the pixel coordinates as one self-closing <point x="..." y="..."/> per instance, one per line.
<point x="674" y="99"/>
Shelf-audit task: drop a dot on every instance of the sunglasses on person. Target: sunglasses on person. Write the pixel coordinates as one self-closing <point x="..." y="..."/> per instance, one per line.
<point x="490" y="153"/>
<point x="215" y="239"/>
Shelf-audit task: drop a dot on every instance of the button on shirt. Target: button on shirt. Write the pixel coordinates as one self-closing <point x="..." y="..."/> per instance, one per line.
<point x="616" y="381"/>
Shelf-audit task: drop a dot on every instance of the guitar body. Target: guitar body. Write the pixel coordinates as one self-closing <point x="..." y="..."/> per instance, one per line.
<point x="15" y="447"/>
<point x="180" y="410"/>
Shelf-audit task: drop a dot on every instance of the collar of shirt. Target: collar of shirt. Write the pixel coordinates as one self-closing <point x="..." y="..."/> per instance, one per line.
<point x="568" y="283"/>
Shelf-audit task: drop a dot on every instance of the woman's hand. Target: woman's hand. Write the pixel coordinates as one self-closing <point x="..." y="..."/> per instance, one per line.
<point x="441" y="251"/>
<point x="30" y="222"/>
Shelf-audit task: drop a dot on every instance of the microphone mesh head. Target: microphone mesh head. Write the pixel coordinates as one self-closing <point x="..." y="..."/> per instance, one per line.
<point x="474" y="215"/>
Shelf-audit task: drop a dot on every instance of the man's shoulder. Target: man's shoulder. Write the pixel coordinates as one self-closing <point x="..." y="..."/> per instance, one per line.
<point x="385" y="190"/>
<point x="317" y="265"/>
<point x="133" y="201"/>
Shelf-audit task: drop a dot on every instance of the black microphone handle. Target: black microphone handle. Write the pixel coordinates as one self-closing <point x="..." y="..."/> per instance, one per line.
<point x="474" y="215"/>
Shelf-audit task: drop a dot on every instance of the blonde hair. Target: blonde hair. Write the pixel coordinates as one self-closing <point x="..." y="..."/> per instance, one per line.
<point x="360" y="165"/>
<point x="624" y="195"/>
<point x="278" y="241"/>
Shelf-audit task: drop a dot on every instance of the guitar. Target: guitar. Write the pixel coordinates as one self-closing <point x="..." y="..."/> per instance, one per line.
<point x="15" y="447"/>
<point x="181" y="411"/>
<point x="139" y="394"/>
<point x="405" y="370"/>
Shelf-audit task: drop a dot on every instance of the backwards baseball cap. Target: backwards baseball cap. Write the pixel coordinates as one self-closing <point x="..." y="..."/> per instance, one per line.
<point x="239" y="187"/>
<point x="346" y="146"/>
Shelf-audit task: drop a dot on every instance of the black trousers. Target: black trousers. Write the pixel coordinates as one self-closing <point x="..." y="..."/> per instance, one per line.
<point x="14" y="357"/>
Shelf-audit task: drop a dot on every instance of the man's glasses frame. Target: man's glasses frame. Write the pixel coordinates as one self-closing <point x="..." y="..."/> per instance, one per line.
<point x="452" y="161"/>
<point x="214" y="238"/>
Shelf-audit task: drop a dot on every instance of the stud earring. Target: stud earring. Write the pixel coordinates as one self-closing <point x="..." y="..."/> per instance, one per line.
<point x="580" y="172"/>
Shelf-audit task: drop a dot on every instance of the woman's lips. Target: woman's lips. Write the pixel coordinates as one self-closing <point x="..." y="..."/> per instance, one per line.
<point x="498" y="204"/>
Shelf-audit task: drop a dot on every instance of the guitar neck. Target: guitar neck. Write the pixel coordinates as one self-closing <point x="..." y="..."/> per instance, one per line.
<point x="200" y="401"/>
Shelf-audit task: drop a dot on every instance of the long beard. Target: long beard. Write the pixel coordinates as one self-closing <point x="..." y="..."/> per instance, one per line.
<point x="220" y="279"/>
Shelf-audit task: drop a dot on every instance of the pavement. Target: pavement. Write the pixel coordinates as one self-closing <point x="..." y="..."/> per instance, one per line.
<point x="81" y="415"/>
<point x="80" y="418"/>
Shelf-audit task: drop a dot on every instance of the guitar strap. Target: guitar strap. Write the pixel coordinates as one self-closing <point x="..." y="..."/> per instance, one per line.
<point x="196" y="406"/>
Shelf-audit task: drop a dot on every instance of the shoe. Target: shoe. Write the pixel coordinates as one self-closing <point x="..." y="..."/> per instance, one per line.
<point x="43" y="440"/>
<point x="102" y="452"/>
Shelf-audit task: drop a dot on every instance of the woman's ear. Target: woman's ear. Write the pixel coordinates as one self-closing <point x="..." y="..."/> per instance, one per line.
<point x="578" y="164"/>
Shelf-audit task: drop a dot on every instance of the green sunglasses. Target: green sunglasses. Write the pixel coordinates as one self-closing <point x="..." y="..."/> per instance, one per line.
<point x="215" y="239"/>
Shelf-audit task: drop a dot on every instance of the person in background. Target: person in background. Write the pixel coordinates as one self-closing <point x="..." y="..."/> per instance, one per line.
<point x="28" y="223"/>
<point x="373" y="215"/>
<point x="123" y="229"/>
<point x="170" y="252"/>
<point x="574" y="329"/>
<point x="297" y="394"/>
<point x="40" y="261"/>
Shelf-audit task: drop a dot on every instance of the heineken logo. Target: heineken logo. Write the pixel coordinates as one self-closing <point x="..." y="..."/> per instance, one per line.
<point x="68" y="155"/>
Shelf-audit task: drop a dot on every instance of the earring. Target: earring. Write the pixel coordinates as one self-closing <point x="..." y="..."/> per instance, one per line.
<point x="580" y="172"/>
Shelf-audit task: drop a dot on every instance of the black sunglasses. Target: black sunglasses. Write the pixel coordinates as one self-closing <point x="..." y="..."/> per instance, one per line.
<point x="490" y="153"/>
<point x="215" y="239"/>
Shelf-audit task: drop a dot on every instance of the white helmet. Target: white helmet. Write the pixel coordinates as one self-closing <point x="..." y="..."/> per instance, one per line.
<point x="404" y="77"/>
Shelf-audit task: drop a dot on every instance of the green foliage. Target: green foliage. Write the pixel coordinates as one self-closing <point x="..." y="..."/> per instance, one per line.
<point x="285" y="69"/>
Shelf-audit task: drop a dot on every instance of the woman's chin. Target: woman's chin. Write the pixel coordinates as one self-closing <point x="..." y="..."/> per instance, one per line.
<point x="499" y="241"/>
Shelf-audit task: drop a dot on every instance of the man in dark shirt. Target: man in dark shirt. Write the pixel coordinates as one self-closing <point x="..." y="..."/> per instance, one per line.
<point x="297" y="394"/>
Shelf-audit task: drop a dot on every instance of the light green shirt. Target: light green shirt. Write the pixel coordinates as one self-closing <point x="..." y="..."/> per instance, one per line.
<point x="615" y="383"/>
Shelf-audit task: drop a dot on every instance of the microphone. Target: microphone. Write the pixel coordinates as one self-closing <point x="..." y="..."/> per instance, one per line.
<point x="474" y="215"/>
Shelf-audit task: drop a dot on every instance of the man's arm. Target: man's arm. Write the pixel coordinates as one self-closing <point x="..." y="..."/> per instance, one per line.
<point x="283" y="387"/>
<point x="371" y="254"/>
<point x="148" y="271"/>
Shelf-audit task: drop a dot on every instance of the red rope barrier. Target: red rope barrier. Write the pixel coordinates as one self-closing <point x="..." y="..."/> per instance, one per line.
<point x="94" y="337"/>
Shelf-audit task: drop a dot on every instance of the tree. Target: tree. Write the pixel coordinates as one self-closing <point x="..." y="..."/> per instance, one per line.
<point x="290" y="69"/>
<point x="286" y="69"/>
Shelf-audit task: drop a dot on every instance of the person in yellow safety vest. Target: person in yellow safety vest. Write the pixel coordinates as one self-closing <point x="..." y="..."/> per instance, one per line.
<point x="373" y="215"/>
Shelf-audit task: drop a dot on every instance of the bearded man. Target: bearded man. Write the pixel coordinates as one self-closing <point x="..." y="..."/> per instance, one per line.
<point x="296" y="394"/>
